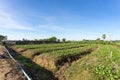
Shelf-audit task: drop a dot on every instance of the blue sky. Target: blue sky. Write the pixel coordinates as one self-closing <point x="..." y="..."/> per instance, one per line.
<point x="70" y="19"/>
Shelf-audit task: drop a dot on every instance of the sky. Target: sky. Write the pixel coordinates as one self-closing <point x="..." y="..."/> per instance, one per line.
<point x="70" y="19"/>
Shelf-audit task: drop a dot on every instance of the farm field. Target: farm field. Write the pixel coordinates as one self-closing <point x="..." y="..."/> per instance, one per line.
<point x="73" y="61"/>
<point x="60" y="40"/>
<point x="52" y="55"/>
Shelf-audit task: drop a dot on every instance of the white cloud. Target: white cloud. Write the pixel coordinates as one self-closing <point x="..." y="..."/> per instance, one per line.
<point x="6" y="21"/>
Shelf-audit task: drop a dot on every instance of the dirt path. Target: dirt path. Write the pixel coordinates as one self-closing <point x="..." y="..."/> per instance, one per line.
<point x="9" y="69"/>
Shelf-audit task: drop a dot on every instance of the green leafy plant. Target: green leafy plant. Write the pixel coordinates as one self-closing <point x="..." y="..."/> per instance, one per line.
<point x="106" y="72"/>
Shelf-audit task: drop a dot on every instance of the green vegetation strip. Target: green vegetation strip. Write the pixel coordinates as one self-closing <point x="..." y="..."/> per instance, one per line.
<point x="46" y="48"/>
<point x="66" y="52"/>
<point x="37" y="46"/>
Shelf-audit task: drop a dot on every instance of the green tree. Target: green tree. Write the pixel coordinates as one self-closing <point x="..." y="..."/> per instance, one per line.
<point x="104" y="37"/>
<point x="63" y="40"/>
<point x="23" y="39"/>
<point x="36" y="40"/>
<point x="58" y="40"/>
<point x="2" y="37"/>
<point x="98" y="39"/>
<point x="53" y="39"/>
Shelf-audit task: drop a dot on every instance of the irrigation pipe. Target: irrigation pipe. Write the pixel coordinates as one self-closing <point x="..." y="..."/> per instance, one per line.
<point x="20" y="67"/>
<point x="10" y="54"/>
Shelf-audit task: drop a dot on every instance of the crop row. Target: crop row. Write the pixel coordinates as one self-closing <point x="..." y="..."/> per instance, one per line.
<point x="51" y="60"/>
<point x="69" y="51"/>
<point x="33" y="52"/>
<point x="36" y="46"/>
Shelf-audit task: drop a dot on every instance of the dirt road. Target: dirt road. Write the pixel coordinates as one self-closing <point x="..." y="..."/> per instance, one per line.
<point x="8" y="68"/>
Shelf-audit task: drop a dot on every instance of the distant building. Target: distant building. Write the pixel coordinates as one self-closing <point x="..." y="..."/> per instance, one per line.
<point x="4" y="38"/>
<point x="10" y="42"/>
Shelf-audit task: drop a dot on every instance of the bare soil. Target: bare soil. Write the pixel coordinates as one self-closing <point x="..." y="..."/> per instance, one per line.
<point x="8" y="68"/>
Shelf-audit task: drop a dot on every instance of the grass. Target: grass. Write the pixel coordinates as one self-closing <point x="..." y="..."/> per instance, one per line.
<point x="102" y="64"/>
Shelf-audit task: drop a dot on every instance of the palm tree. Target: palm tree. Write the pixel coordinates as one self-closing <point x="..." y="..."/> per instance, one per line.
<point x="104" y="36"/>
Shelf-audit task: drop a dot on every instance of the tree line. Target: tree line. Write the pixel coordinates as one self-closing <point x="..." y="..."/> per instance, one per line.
<point x="51" y="39"/>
